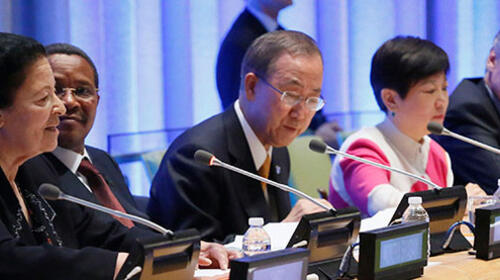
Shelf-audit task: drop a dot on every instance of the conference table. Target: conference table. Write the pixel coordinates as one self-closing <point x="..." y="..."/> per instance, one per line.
<point x="454" y="266"/>
<point x="461" y="266"/>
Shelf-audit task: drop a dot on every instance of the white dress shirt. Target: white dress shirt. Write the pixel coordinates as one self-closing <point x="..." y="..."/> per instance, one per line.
<point x="72" y="161"/>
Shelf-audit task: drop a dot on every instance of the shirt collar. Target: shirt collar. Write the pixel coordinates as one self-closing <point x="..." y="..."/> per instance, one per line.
<point x="410" y="149"/>
<point x="256" y="148"/>
<point x="268" y="22"/>
<point x="70" y="158"/>
<point x="493" y="97"/>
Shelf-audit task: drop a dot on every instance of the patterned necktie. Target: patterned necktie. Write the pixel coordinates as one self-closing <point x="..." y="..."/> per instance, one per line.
<point x="264" y="172"/>
<point x="101" y="190"/>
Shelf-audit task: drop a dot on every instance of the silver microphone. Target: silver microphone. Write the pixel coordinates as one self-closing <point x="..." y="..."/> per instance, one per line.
<point x="210" y="160"/>
<point x="438" y="129"/>
<point x="51" y="192"/>
<point x="322" y="148"/>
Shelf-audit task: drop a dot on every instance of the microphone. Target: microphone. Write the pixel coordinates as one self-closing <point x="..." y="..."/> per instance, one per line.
<point x="438" y="129"/>
<point x="51" y="192"/>
<point x="320" y="147"/>
<point x="210" y="160"/>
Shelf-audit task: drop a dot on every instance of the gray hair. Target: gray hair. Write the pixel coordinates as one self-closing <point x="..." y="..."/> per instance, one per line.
<point x="496" y="44"/>
<point x="265" y="50"/>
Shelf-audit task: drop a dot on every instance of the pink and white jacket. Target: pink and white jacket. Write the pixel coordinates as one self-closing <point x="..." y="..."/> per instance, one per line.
<point x="372" y="189"/>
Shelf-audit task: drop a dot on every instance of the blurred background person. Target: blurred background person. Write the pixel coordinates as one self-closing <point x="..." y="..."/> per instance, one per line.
<point x="474" y="112"/>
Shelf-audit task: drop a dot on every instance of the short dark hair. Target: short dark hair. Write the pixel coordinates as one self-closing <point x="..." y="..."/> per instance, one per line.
<point x="17" y="54"/>
<point x="403" y="61"/>
<point x="64" y="48"/>
<point x="266" y="49"/>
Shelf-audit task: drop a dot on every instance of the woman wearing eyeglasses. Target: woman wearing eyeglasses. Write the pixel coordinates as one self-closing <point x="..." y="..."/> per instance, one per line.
<point x="408" y="77"/>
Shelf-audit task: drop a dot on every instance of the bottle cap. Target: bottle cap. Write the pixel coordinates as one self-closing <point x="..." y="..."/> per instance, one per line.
<point x="256" y="221"/>
<point x="414" y="200"/>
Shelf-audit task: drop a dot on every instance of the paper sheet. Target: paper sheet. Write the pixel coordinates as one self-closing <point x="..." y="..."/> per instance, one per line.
<point x="211" y="274"/>
<point x="280" y="234"/>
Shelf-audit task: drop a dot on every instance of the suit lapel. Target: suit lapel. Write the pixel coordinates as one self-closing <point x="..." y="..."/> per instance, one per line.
<point x="68" y="181"/>
<point x="248" y="190"/>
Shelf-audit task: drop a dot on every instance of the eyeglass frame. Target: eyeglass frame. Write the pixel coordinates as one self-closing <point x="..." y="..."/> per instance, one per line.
<point x="284" y="94"/>
<point x="73" y="92"/>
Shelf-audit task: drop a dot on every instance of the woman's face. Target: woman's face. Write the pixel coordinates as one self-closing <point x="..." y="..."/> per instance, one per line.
<point x="29" y="126"/>
<point x="426" y="101"/>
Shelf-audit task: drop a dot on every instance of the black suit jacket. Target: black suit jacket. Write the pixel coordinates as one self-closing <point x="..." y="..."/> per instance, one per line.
<point x="66" y="241"/>
<point x="243" y="32"/>
<point x="69" y="183"/>
<point x="471" y="113"/>
<point x="216" y="201"/>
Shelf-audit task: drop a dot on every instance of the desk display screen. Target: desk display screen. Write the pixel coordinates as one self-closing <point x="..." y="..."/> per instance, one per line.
<point x="495" y="229"/>
<point x="401" y="250"/>
<point x="289" y="271"/>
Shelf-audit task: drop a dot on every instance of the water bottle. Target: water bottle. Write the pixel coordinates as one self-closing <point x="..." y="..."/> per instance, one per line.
<point x="416" y="213"/>
<point x="256" y="239"/>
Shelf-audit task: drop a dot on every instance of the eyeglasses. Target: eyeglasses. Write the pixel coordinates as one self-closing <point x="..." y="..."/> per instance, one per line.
<point x="291" y="98"/>
<point x="82" y="92"/>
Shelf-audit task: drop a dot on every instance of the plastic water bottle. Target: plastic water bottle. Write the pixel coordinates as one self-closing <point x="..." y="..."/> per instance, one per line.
<point x="416" y="213"/>
<point x="256" y="239"/>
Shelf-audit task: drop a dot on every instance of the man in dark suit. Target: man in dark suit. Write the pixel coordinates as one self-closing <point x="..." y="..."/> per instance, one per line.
<point x="474" y="111"/>
<point x="279" y="94"/>
<point x="77" y="85"/>
<point x="258" y="18"/>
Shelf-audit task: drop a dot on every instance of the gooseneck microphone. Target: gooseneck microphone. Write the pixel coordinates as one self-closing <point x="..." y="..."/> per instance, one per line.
<point x="51" y="192"/>
<point x="210" y="160"/>
<point x="438" y="129"/>
<point x="320" y="147"/>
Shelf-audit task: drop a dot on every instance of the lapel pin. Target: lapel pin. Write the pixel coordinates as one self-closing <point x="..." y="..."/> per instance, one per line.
<point x="278" y="169"/>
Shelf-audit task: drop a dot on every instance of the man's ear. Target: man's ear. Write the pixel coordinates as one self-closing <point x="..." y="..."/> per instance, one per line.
<point x="250" y="83"/>
<point x="390" y="97"/>
<point x="491" y="61"/>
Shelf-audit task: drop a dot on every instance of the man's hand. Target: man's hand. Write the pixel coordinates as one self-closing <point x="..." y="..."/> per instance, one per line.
<point x="213" y="255"/>
<point x="328" y="132"/>
<point x="304" y="207"/>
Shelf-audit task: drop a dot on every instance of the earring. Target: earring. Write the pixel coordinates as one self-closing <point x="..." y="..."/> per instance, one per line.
<point x="393" y="114"/>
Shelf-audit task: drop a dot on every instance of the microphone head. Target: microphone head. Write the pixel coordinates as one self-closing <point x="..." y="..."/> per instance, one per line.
<point x="49" y="191"/>
<point x="318" y="146"/>
<point x="435" y="128"/>
<point x="204" y="157"/>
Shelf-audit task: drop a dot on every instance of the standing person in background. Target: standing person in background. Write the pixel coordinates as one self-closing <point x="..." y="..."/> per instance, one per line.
<point x="474" y="112"/>
<point x="258" y="18"/>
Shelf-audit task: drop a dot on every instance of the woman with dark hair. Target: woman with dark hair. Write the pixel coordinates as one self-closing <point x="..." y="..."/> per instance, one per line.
<point x="38" y="240"/>
<point x="408" y="77"/>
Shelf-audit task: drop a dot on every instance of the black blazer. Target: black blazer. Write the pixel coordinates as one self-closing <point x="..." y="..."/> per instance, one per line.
<point x="66" y="241"/>
<point x="243" y="32"/>
<point x="471" y="112"/>
<point x="217" y="202"/>
<point x="69" y="183"/>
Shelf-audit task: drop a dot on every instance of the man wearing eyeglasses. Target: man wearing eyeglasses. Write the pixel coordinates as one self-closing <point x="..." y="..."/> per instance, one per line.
<point x="282" y="74"/>
<point x="87" y="172"/>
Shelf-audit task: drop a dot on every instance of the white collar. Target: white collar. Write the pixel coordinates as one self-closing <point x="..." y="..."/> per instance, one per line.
<point x="268" y="22"/>
<point x="256" y="148"/>
<point x="411" y="150"/>
<point x="71" y="158"/>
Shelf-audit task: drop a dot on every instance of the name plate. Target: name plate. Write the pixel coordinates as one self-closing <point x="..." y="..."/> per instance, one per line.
<point x="395" y="252"/>
<point x="288" y="264"/>
<point x="487" y="236"/>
